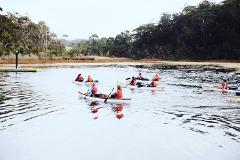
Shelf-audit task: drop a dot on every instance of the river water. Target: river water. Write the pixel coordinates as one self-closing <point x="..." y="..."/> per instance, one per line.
<point x="42" y="116"/>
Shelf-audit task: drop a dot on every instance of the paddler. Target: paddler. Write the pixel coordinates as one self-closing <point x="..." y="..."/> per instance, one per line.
<point x="153" y="83"/>
<point x="157" y="77"/>
<point x="140" y="77"/>
<point x="133" y="81"/>
<point x="79" y="78"/>
<point x="224" y="85"/>
<point x="93" y="90"/>
<point x="118" y="94"/>
<point x="89" y="79"/>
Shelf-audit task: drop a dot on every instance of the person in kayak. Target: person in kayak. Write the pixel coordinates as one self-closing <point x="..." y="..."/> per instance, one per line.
<point x="224" y="85"/>
<point x="93" y="92"/>
<point x="118" y="94"/>
<point x="89" y="79"/>
<point x="157" y="77"/>
<point x="133" y="81"/>
<point x="153" y="84"/>
<point x="79" y="78"/>
<point x="140" y="77"/>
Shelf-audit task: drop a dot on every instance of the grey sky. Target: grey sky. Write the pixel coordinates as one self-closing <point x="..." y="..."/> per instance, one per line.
<point x="82" y="18"/>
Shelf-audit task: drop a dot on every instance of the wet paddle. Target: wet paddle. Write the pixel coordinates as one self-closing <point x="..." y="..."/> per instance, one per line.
<point x="108" y="96"/>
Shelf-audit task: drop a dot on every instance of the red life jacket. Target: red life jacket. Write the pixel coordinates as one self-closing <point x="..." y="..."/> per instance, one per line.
<point x="133" y="82"/>
<point x="224" y="86"/>
<point x="119" y="94"/>
<point x="80" y="78"/>
<point x="153" y="84"/>
<point x="94" y="90"/>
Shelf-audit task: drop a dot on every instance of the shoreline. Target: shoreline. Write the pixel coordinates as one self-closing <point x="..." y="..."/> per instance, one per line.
<point x="114" y="61"/>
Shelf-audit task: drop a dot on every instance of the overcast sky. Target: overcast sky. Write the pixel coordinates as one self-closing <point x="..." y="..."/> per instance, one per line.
<point x="82" y="18"/>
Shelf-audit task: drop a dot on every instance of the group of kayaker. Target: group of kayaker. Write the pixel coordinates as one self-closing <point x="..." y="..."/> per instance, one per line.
<point x="81" y="79"/>
<point x="93" y="91"/>
<point x="156" y="78"/>
<point x="225" y="86"/>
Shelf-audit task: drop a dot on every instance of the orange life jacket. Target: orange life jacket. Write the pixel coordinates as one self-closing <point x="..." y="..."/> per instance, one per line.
<point x="157" y="78"/>
<point x="94" y="90"/>
<point x="119" y="94"/>
<point x="89" y="79"/>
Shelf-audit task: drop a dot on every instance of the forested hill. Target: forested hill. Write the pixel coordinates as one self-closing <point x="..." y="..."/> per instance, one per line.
<point x="206" y="31"/>
<point x="19" y="33"/>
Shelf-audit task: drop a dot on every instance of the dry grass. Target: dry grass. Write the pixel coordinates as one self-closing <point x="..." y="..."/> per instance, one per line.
<point x="92" y="60"/>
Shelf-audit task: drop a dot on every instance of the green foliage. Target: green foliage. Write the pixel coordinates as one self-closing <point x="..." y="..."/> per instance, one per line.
<point x="206" y="31"/>
<point x="20" y="33"/>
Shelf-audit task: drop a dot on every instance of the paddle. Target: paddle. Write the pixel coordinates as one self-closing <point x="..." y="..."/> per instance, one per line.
<point x="108" y="96"/>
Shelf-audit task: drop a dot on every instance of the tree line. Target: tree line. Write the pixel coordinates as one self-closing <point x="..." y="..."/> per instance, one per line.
<point x="19" y="34"/>
<point x="202" y="32"/>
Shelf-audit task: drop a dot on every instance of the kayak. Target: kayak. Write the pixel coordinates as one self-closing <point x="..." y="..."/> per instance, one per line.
<point x="85" y="83"/>
<point x="213" y="88"/>
<point x="109" y="100"/>
<point x="146" y="88"/>
<point x="141" y="80"/>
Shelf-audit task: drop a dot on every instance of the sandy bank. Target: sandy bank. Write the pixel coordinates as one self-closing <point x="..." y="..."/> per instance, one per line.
<point x="112" y="61"/>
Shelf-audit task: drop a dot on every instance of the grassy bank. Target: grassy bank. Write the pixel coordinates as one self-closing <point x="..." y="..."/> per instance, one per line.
<point x="95" y="60"/>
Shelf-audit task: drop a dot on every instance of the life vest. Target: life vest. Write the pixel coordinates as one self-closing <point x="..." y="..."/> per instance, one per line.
<point x="80" y="78"/>
<point x="224" y="86"/>
<point x="89" y="79"/>
<point x="157" y="78"/>
<point x="153" y="84"/>
<point x="94" y="90"/>
<point x="119" y="94"/>
<point x="133" y="82"/>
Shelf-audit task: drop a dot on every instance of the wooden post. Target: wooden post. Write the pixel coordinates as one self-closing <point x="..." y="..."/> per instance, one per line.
<point x="16" y="59"/>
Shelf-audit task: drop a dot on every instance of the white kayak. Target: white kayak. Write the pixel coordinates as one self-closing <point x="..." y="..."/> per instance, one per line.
<point x="85" y="83"/>
<point x="214" y="88"/>
<point x="109" y="100"/>
<point x="142" y="81"/>
<point x="146" y="88"/>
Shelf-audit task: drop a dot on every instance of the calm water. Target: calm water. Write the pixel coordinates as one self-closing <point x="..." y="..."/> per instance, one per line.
<point x="42" y="116"/>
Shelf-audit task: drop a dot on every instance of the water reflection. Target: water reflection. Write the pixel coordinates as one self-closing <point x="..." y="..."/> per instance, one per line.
<point x="181" y="102"/>
<point x="116" y="109"/>
<point x="20" y="102"/>
<point x="119" y="111"/>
